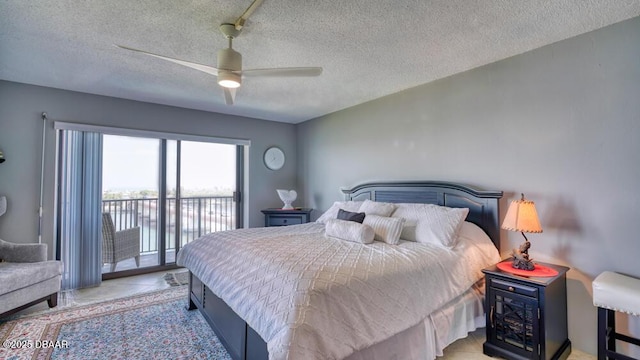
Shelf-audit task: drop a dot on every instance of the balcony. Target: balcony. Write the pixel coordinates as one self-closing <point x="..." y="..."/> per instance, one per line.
<point x="197" y="216"/>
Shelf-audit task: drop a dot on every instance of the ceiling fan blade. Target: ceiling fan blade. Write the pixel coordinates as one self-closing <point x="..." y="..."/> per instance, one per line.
<point x="204" y="68"/>
<point x="284" y="72"/>
<point x="229" y="95"/>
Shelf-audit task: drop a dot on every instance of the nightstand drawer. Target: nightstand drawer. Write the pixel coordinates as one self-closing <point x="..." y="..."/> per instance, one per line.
<point x="282" y="217"/>
<point x="514" y="288"/>
<point x="284" y="221"/>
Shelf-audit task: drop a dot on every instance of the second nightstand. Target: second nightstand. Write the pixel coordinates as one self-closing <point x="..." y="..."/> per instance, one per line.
<point x="526" y="316"/>
<point x="279" y="217"/>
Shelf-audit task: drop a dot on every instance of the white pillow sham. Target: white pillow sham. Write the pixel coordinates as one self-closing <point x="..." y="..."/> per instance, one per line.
<point x="470" y="232"/>
<point x="377" y="208"/>
<point x="350" y="231"/>
<point x="332" y="212"/>
<point x="386" y="229"/>
<point x="429" y="223"/>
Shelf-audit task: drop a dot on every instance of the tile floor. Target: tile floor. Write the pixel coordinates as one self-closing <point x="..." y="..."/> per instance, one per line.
<point x="469" y="348"/>
<point x="146" y="259"/>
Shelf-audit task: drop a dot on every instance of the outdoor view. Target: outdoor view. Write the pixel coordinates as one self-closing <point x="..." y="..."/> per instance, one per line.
<point x="130" y="192"/>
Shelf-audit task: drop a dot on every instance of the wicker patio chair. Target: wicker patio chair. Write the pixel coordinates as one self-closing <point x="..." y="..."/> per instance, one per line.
<point x="119" y="245"/>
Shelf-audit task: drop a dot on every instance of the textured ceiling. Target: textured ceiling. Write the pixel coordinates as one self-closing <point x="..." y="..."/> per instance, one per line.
<point x="368" y="49"/>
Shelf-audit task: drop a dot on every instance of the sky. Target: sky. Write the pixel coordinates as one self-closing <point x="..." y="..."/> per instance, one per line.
<point x="131" y="163"/>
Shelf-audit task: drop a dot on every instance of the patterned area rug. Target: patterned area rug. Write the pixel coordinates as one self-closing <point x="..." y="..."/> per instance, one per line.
<point x="177" y="278"/>
<point x="148" y="326"/>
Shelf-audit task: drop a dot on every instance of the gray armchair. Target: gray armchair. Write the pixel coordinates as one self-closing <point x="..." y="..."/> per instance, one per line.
<point x="27" y="277"/>
<point x="119" y="245"/>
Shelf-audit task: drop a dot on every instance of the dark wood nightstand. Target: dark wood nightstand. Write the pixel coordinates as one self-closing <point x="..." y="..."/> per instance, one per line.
<point x="279" y="217"/>
<point x="526" y="316"/>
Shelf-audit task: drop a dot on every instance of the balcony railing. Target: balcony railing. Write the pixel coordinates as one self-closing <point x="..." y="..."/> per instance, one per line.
<point x="198" y="216"/>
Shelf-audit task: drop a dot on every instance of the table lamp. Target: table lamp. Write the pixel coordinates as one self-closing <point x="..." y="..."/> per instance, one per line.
<point x="523" y="217"/>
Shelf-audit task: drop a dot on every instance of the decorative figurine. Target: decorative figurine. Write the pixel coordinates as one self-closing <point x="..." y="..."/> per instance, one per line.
<point x="521" y="257"/>
<point x="287" y="197"/>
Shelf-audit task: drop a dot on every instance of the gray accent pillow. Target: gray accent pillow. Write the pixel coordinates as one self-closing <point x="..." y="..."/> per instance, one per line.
<point x="332" y="213"/>
<point x="351" y="216"/>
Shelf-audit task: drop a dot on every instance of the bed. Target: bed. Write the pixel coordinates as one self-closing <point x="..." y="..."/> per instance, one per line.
<point x="295" y="293"/>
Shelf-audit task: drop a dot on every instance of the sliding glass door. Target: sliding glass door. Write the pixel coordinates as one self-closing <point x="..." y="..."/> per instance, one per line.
<point x="202" y="180"/>
<point x="130" y="200"/>
<point x="169" y="192"/>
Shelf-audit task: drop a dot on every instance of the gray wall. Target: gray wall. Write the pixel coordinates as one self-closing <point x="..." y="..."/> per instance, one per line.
<point x="560" y="123"/>
<point x="21" y="107"/>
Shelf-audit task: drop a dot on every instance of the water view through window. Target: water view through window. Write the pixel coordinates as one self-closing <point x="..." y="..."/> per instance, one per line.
<point x="199" y="185"/>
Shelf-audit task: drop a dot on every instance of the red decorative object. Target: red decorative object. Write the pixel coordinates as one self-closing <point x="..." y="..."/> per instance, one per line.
<point x="538" y="271"/>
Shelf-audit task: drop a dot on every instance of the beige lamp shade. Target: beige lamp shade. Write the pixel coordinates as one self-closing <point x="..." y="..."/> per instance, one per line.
<point x="522" y="216"/>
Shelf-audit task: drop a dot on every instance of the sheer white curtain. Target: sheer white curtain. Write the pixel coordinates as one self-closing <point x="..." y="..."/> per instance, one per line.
<point x="80" y="208"/>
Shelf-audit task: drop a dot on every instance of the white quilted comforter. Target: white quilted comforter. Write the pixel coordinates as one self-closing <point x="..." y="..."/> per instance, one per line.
<point x="316" y="297"/>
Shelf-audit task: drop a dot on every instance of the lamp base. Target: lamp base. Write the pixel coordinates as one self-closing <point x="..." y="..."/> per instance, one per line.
<point x="523" y="263"/>
<point x="521" y="256"/>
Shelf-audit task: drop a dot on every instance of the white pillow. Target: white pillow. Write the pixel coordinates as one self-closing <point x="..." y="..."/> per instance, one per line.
<point x="332" y="213"/>
<point x="386" y="229"/>
<point x="470" y="232"/>
<point x="377" y="208"/>
<point x="350" y="231"/>
<point x="429" y="223"/>
<point x="411" y="213"/>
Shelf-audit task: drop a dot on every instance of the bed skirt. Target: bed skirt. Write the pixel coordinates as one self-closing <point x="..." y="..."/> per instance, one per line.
<point x="426" y="340"/>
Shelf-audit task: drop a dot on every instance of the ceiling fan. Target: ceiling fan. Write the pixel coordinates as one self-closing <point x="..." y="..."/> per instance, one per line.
<point x="229" y="67"/>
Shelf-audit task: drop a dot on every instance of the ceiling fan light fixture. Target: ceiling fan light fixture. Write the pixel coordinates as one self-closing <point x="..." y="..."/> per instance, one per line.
<point x="229" y="79"/>
<point x="229" y="59"/>
<point x="229" y="66"/>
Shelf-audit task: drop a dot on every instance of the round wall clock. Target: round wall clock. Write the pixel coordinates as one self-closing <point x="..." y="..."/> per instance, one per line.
<point x="274" y="158"/>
